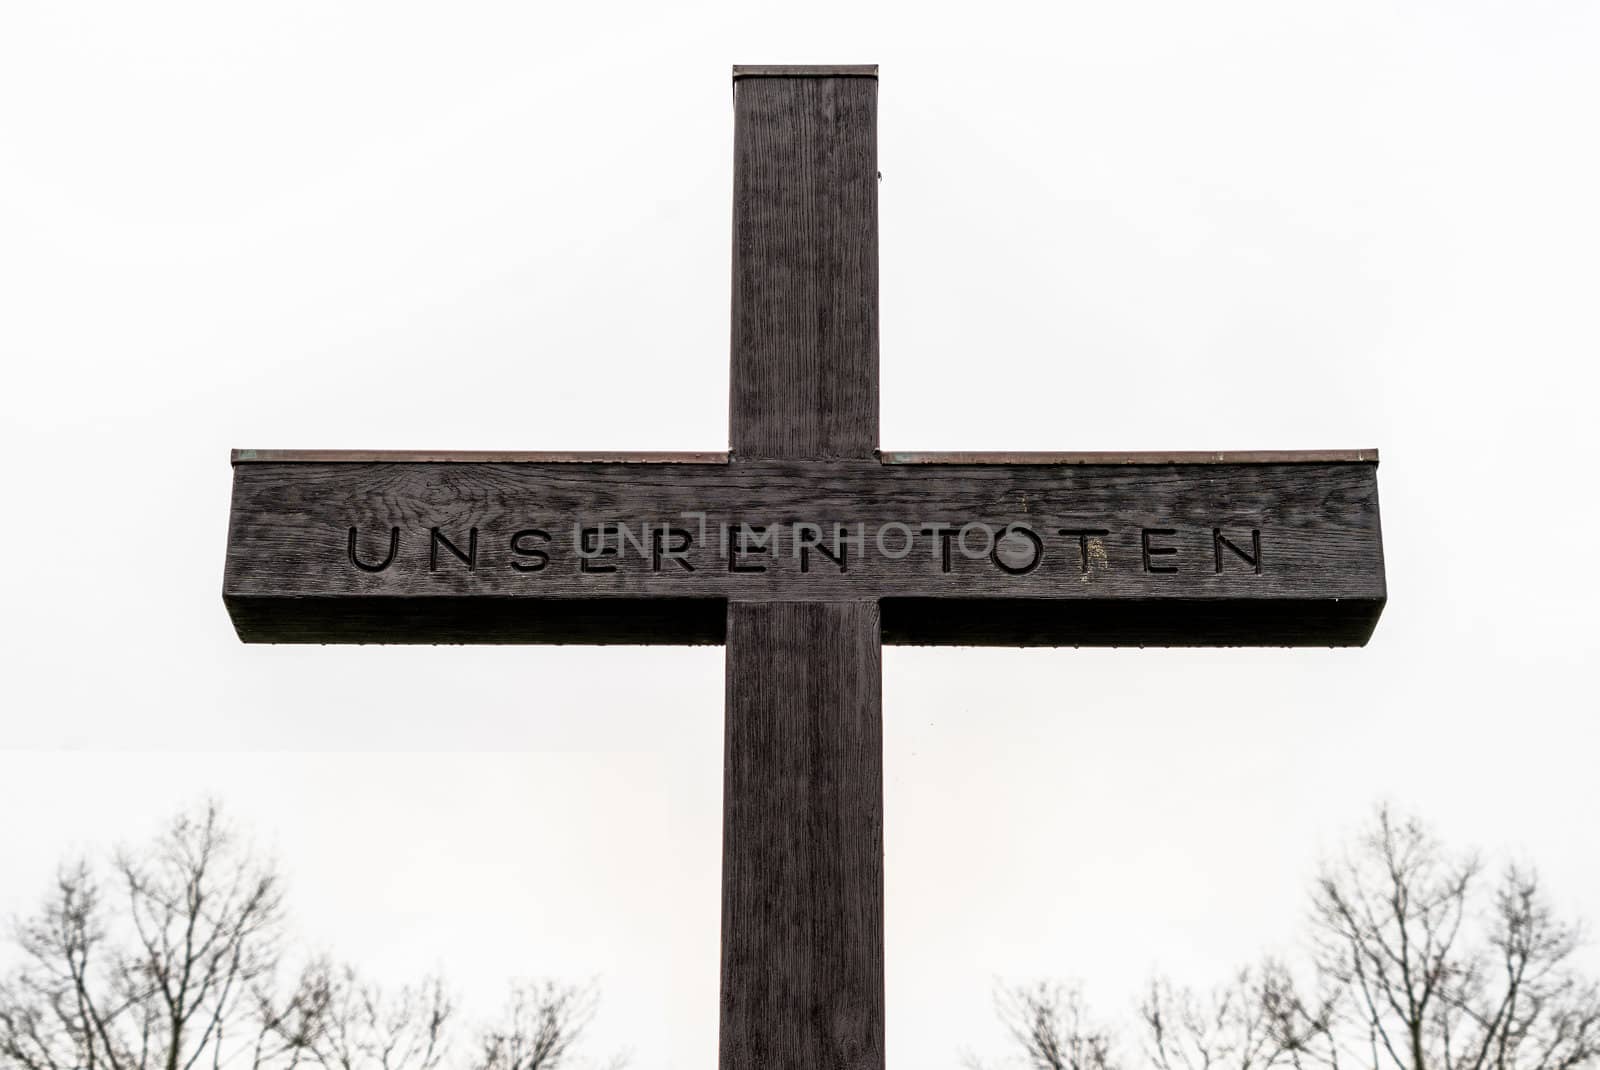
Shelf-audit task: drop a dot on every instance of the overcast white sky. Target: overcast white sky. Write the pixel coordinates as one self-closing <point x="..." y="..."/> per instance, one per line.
<point x="1104" y="226"/>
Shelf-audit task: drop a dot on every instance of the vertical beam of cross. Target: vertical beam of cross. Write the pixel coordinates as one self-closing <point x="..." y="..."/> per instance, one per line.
<point x="802" y="877"/>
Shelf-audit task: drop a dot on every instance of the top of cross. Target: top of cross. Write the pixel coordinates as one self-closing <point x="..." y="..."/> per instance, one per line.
<point x="779" y="70"/>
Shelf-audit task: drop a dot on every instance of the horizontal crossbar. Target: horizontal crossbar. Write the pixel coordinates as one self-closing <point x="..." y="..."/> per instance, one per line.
<point x="1266" y="553"/>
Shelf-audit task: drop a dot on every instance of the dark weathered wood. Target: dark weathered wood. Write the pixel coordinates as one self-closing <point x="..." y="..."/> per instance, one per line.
<point x="802" y="840"/>
<point x="1318" y="525"/>
<point x="481" y="620"/>
<point x="809" y="70"/>
<point x="1153" y="457"/>
<point x="1135" y="457"/>
<point x="479" y="457"/>
<point x="804" y="380"/>
<point x="1144" y="622"/>
<point x="802" y="858"/>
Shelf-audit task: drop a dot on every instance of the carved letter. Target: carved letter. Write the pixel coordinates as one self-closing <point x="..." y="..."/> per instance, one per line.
<point x="1032" y="537"/>
<point x="625" y="536"/>
<point x="591" y="547"/>
<point x="1083" y="543"/>
<point x="470" y="558"/>
<point x="540" y="558"/>
<point x="808" y="537"/>
<point x="394" y="547"/>
<point x="1253" y="558"/>
<point x="736" y="547"/>
<point x="1154" y="551"/>
<point x="942" y="532"/>
<point x="660" y="553"/>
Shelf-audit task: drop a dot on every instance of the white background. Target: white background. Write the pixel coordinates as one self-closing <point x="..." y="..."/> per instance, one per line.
<point x="1149" y="226"/>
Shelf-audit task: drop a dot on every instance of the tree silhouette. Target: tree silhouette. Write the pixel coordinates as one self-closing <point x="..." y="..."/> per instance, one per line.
<point x="174" y="960"/>
<point x="1417" y="962"/>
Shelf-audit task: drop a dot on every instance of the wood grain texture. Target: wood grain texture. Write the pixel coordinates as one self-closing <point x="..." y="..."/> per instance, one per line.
<point x="480" y="456"/>
<point x="1127" y="457"/>
<point x="1150" y="457"/>
<point x="802" y="846"/>
<point x="804" y="378"/>
<point x="804" y="70"/>
<point x="480" y="620"/>
<point x="1318" y="525"/>
<point x="802" y="828"/>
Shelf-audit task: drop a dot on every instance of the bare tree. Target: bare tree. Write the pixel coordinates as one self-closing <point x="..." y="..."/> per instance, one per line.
<point x="1388" y="922"/>
<point x="541" y="1025"/>
<point x="174" y="962"/>
<point x="1441" y="981"/>
<point x="172" y="978"/>
<point x="346" y="1023"/>
<point x="1255" y="1022"/>
<point x="1051" y="1025"/>
<point x="350" y="1024"/>
<point x="1416" y="964"/>
<point x="1301" y="1025"/>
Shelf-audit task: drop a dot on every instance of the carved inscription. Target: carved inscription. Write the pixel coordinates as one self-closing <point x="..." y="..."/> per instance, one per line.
<point x="604" y="548"/>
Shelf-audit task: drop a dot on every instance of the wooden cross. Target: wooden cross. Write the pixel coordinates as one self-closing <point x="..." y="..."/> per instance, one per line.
<point x="802" y="549"/>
